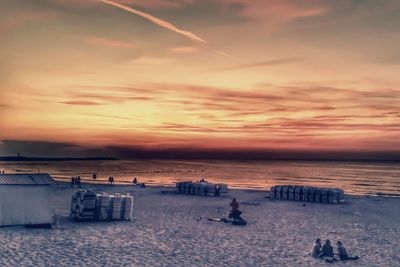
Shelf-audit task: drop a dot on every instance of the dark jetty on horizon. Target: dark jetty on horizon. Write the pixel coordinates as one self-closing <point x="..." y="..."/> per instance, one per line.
<point x="14" y="158"/>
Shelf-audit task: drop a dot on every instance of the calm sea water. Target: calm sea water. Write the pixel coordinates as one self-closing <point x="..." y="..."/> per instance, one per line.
<point x="354" y="177"/>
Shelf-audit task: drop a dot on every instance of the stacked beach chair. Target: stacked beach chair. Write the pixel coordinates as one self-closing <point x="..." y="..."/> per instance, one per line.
<point x="83" y="205"/>
<point x="201" y="188"/>
<point x="308" y="194"/>
<point x="102" y="206"/>
<point x="86" y="205"/>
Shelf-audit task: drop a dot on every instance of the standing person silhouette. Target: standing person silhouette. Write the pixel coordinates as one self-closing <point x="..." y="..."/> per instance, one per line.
<point x="72" y="182"/>
<point x="235" y="213"/>
<point x="78" y="181"/>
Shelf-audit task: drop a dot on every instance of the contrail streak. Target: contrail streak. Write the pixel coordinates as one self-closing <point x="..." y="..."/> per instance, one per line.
<point x="157" y="21"/>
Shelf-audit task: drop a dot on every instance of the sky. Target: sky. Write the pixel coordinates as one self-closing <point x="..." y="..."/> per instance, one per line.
<point x="208" y="75"/>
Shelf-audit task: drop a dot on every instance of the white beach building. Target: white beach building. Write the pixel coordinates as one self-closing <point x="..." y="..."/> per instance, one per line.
<point x="25" y="199"/>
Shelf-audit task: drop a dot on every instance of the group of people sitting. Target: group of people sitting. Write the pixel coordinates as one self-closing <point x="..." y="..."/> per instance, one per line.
<point x="326" y="251"/>
<point x="76" y="180"/>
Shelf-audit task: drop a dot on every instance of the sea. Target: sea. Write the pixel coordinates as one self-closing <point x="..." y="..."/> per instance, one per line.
<point x="358" y="178"/>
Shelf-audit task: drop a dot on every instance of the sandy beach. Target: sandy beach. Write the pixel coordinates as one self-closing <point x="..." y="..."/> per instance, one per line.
<point x="172" y="230"/>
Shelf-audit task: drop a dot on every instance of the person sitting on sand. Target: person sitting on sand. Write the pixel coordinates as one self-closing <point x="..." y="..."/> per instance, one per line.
<point x="316" y="250"/>
<point x="235" y="213"/>
<point x="342" y="252"/>
<point x="327" y="251"/>
<point x="234" y="205"/>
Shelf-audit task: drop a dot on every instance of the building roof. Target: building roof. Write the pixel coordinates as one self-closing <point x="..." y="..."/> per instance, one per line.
<point x="26" y="179"/>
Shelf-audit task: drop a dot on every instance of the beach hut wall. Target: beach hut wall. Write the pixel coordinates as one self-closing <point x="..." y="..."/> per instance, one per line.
<point x="25" y="199"/>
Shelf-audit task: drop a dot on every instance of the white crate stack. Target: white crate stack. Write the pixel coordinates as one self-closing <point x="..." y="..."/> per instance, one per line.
<point x="102" y="205"/>
<point x="116" y="207"/>
<point x="126" y="213"/>
<point x="86" y="205"/>
<point x="83" y="205"/>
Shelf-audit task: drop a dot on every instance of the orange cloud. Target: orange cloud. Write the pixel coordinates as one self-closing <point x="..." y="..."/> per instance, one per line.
<point x="185" y="49"/>
<point x="108" y="42"/>
<point x="82" y="103"/>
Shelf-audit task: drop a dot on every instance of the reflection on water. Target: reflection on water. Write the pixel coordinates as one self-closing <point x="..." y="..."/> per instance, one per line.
<point x="354" y="177"/>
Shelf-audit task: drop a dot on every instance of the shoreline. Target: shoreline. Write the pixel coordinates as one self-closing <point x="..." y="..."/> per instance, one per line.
<point x="105" y="184"/>
<point x="354" y="178"/>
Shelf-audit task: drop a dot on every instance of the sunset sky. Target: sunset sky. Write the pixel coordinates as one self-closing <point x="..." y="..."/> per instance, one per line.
<point x="200" y="74"/>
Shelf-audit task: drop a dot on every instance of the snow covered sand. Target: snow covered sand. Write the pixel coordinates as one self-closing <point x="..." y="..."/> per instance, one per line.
<point x="172" y="230"/>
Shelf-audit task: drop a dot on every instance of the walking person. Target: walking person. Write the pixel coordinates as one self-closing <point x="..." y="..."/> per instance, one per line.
<point x="78" y="181"/>
<point x="72" y="182"/>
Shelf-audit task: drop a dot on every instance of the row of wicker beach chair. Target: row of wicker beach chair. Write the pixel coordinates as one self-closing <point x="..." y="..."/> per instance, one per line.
<point x="201" y="188"/>
<point x="308" y="193"/>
